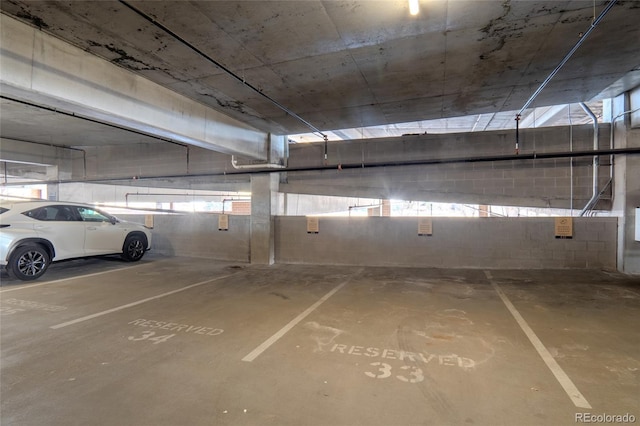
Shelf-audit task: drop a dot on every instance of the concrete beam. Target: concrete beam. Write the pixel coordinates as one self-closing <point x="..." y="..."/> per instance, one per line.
<point x="39" y="161"/>
<point x="38" y="68"/>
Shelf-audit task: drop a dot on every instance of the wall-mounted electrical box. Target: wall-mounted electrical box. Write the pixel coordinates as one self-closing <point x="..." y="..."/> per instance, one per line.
<point x="638" y="224"/>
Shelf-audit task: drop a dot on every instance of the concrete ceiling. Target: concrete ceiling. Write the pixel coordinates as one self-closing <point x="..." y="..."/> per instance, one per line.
<point x="341" y="64"/>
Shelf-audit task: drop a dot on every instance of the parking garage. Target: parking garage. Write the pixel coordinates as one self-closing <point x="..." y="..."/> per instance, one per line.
<point x="328" y="246"/>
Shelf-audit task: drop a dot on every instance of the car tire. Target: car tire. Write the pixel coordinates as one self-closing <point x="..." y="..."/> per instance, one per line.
<point x="134" y="248"/>
<point x="28" y="262"/>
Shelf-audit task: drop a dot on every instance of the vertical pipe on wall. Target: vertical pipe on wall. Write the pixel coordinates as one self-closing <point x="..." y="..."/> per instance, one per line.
<point x="571" y="161"/>
<point x="594" y="195"/>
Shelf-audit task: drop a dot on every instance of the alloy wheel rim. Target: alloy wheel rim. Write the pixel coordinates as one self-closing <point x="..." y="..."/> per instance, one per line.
<point x="31" y="263"/>
<point x="135" y="249"/>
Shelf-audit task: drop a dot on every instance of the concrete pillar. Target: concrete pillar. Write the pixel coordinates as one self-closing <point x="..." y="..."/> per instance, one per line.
<point x="627" y="182"/>
<point x="264" y="193"/>
<point x="53" y="192"/>
<point x="386" y="208"/>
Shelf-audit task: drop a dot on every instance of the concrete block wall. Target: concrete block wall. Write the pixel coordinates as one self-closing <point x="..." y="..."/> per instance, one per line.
<point x="531" y="183"/>
<point x="507" y="243"/>
<point x="197" y="235"/>
<point x="456" y="243"/>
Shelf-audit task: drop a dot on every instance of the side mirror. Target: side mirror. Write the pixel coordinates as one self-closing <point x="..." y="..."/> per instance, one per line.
<point x="113" y="220"/>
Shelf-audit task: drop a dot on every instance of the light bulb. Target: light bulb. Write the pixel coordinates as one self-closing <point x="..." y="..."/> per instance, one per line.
<point x="414" y="7"/>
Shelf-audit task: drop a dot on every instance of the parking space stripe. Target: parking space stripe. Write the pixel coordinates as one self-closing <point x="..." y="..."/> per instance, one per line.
<point x="139" y="302"/>
<point x="72" y="278"/>
<point x="576" y="397"/>
<point x="278" y="335"/>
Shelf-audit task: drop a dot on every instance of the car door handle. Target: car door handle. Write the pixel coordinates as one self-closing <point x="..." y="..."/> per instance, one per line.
<point x="91" y="228"/>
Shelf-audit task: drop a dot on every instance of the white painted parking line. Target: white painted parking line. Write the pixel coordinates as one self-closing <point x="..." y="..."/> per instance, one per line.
<point x="576" y="397"/>
<point x="139" y="302"/>
<point x="72" y="278"/>
<point x="271" y="340"/>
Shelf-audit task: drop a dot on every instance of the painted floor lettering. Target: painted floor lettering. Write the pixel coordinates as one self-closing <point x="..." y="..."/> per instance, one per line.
<point x="451" y="360"/>
<point x="173" y="326"/>
<point x="33" y="305"/>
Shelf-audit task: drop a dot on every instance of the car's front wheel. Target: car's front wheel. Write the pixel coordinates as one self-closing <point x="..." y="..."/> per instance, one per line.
<point x="134" y="248"/>
<point x="28" y="262"/>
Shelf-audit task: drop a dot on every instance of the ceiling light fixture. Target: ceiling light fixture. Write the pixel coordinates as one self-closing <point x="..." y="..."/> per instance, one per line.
<point x="414" y="7"/>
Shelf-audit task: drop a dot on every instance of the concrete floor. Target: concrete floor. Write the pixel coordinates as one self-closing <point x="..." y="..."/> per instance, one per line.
<point x="183" y="341"/>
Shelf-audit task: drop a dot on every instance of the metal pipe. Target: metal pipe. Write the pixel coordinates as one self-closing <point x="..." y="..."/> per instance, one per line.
<point x="571" y="160"/>
<point x="568" y="55"/>
<point x="155" y="194"/>
<point x="237" y="166"/>
<point x="426" y="162"/>
<point x="517" y="134"/>
<point x="596" y="139"/>
<point x="611" y="136"/>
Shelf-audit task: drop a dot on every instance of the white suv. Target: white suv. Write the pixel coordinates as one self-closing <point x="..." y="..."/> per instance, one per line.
<point x="35" y="233"/>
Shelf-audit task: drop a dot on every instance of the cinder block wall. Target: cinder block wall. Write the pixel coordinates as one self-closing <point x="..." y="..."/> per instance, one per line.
<point x="514" y="243"/>
<point x="197" y="235"/>
<point x="531" y="183"/>
<point x="455" y="243"/>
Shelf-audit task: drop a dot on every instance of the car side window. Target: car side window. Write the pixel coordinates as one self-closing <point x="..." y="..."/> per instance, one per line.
<point x="38" y="214"/>
<point x="90" y="215"/>
<point x="58" y="213"/>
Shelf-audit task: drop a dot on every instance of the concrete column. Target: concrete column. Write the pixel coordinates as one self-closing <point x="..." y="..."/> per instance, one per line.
<point x="264" y="192"/>
<point x="627" y="182"/>
<point x="53" y="192"/>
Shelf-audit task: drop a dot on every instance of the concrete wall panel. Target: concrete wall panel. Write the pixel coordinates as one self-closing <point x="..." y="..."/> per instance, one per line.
<point x="534" y="183"/>
<point x="456" y="242"/>
<point x="197" y="235"/>
<point x="513" y="243"/>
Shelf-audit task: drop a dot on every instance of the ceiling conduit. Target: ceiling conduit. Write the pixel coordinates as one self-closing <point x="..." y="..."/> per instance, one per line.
<point x="581" y="39"/>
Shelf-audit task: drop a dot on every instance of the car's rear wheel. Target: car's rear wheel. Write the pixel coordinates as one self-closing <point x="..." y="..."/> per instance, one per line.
<point x="134" y="248"/>
<point x="28" y="262"/>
